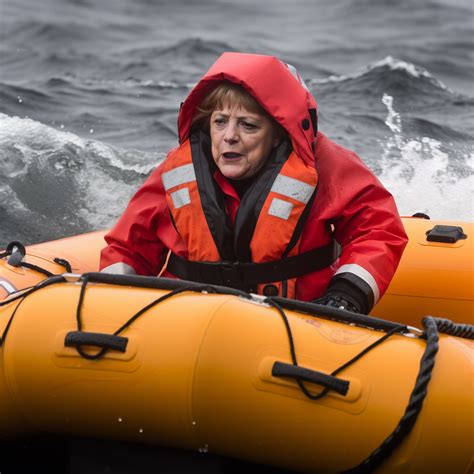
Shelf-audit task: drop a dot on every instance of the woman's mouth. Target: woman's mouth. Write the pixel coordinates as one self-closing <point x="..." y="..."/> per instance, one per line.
<point x="230" y="155"/>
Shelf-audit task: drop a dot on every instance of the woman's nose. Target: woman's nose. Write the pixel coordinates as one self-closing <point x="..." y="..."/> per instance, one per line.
<point x="231" y="135"/>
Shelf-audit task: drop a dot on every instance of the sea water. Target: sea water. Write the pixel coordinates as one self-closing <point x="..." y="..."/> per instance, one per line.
<point x="89" y="96"/>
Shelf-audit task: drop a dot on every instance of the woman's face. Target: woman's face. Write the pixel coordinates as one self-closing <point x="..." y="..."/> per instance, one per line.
<point x="241" y="141"/>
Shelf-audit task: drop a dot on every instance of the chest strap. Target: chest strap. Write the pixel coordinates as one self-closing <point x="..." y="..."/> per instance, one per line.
<point x="237" y="274"/>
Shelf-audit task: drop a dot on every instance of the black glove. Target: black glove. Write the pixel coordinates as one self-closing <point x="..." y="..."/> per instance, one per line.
<point x="337" y="300"/>
<point x="343" y="294"/>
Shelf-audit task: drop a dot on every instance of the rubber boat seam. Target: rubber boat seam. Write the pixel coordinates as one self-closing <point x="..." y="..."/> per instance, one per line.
<point x="212" y="317"/>
<point x="428" y="297"/>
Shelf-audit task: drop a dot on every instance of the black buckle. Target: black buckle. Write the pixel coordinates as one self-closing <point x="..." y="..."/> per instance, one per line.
<point x="231" y="273"/>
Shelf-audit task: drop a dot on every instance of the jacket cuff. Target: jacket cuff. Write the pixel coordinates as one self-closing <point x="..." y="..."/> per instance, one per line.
<point x="362" y="278"/>
<point x="355" y="288"/>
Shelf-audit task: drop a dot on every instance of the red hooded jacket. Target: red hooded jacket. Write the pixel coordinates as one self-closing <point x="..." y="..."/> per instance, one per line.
<point x="350" y="204"/>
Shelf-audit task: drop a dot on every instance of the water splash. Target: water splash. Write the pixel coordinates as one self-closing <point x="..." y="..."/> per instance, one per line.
<point x="419" y="173"/>
<point x="393" y="120"/>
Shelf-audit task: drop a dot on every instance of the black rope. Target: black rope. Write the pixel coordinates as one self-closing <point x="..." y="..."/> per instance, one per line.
<point x="159" y="300"/>
<point x="36" y="268"/>
<point x="64" y="263"/>
<point x="103" y="351"/>
<point x="19" y="247"/>
<point x="21" y="296"/>
<point x="7" y="327"/>
<point x="414" y="406"/>
<point x="367" y="349"/>
<point x="324" y="392"/>
<point x="446" y="326"/>
<point x="82" y="294"/>
<point x="18" y="294"/>
<point x="31" y="289"/>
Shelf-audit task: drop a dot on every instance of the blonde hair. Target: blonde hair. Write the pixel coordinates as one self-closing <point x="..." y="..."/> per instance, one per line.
<point x="228" y="94"/>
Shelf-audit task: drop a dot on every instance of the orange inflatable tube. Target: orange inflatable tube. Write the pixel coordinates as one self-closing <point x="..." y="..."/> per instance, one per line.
<point x="122" y="358"/>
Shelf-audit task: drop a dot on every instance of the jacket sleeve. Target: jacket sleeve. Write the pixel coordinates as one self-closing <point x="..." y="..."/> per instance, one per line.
<point x="365" y="220"/>
<point x="132" y="244"/>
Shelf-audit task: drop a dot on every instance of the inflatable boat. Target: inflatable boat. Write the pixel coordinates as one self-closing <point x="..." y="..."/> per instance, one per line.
<point x="435" y="275"/>
<point x="274" y="381"/>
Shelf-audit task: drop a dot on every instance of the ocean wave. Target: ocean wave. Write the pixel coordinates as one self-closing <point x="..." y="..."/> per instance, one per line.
<point x="20" y="93"/>
<point x="54" y="175"/>
<point x="133" y="83"/>
<point x="184" y="50"/>
<point x="32" y="139"/>
<point x="42" y="32"/>
<point x="421" y="9"/>
<point x="382" y="67"/>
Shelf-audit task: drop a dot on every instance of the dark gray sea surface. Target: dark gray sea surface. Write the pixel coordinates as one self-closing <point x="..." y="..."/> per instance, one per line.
<point x="90" y="90"/>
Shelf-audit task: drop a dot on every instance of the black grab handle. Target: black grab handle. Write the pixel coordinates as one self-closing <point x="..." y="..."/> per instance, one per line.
<point x="280" y="369"/>
<point x="17" y="251"/>
<point x="104" y="341"/>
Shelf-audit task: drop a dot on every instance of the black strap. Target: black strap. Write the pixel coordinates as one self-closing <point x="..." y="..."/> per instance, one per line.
<point x="212" y="198"/>
<point x="251" y="204"/>
<point x="281" y="369"/>
<point x="105" y="341"/>
<point x="238" y="274"/>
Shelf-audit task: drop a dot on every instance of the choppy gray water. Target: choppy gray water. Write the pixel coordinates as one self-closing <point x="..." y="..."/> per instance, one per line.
<point x="89" y="94"/>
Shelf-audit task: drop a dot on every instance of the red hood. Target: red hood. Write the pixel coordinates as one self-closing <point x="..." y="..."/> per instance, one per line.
<point x="272" y="84"/>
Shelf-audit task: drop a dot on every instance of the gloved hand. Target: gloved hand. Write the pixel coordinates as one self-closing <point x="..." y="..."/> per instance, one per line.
<point x="337" y="300"/>
<point x="343" y="294"/>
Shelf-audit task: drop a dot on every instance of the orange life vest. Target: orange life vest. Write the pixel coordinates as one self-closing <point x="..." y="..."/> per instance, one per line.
<point x="268" y="224"/>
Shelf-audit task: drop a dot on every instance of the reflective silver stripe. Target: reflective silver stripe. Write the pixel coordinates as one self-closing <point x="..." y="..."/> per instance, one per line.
<point x="180" y="198"/>
<point x="363" y="274"/>
<point x="293" y="188"/>
<point x="119" y="268"/>
<point x="281" y="209"/>
<point x="7" y="286"/>
<point x="181" y="175"/>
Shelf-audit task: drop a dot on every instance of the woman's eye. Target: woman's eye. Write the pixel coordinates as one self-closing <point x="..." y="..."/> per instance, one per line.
<point x="249" y="126"/>
<point x="219" y="121"/>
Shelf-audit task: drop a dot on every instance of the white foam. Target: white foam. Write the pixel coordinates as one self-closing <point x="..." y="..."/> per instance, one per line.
<point x="30" y="137"/>
<point x="34" y="135"/>
<point x="417" y="172"/>
<point x="130" y="83"/>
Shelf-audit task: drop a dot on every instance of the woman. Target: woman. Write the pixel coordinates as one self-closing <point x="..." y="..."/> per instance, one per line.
<point x="254" y="197"/>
